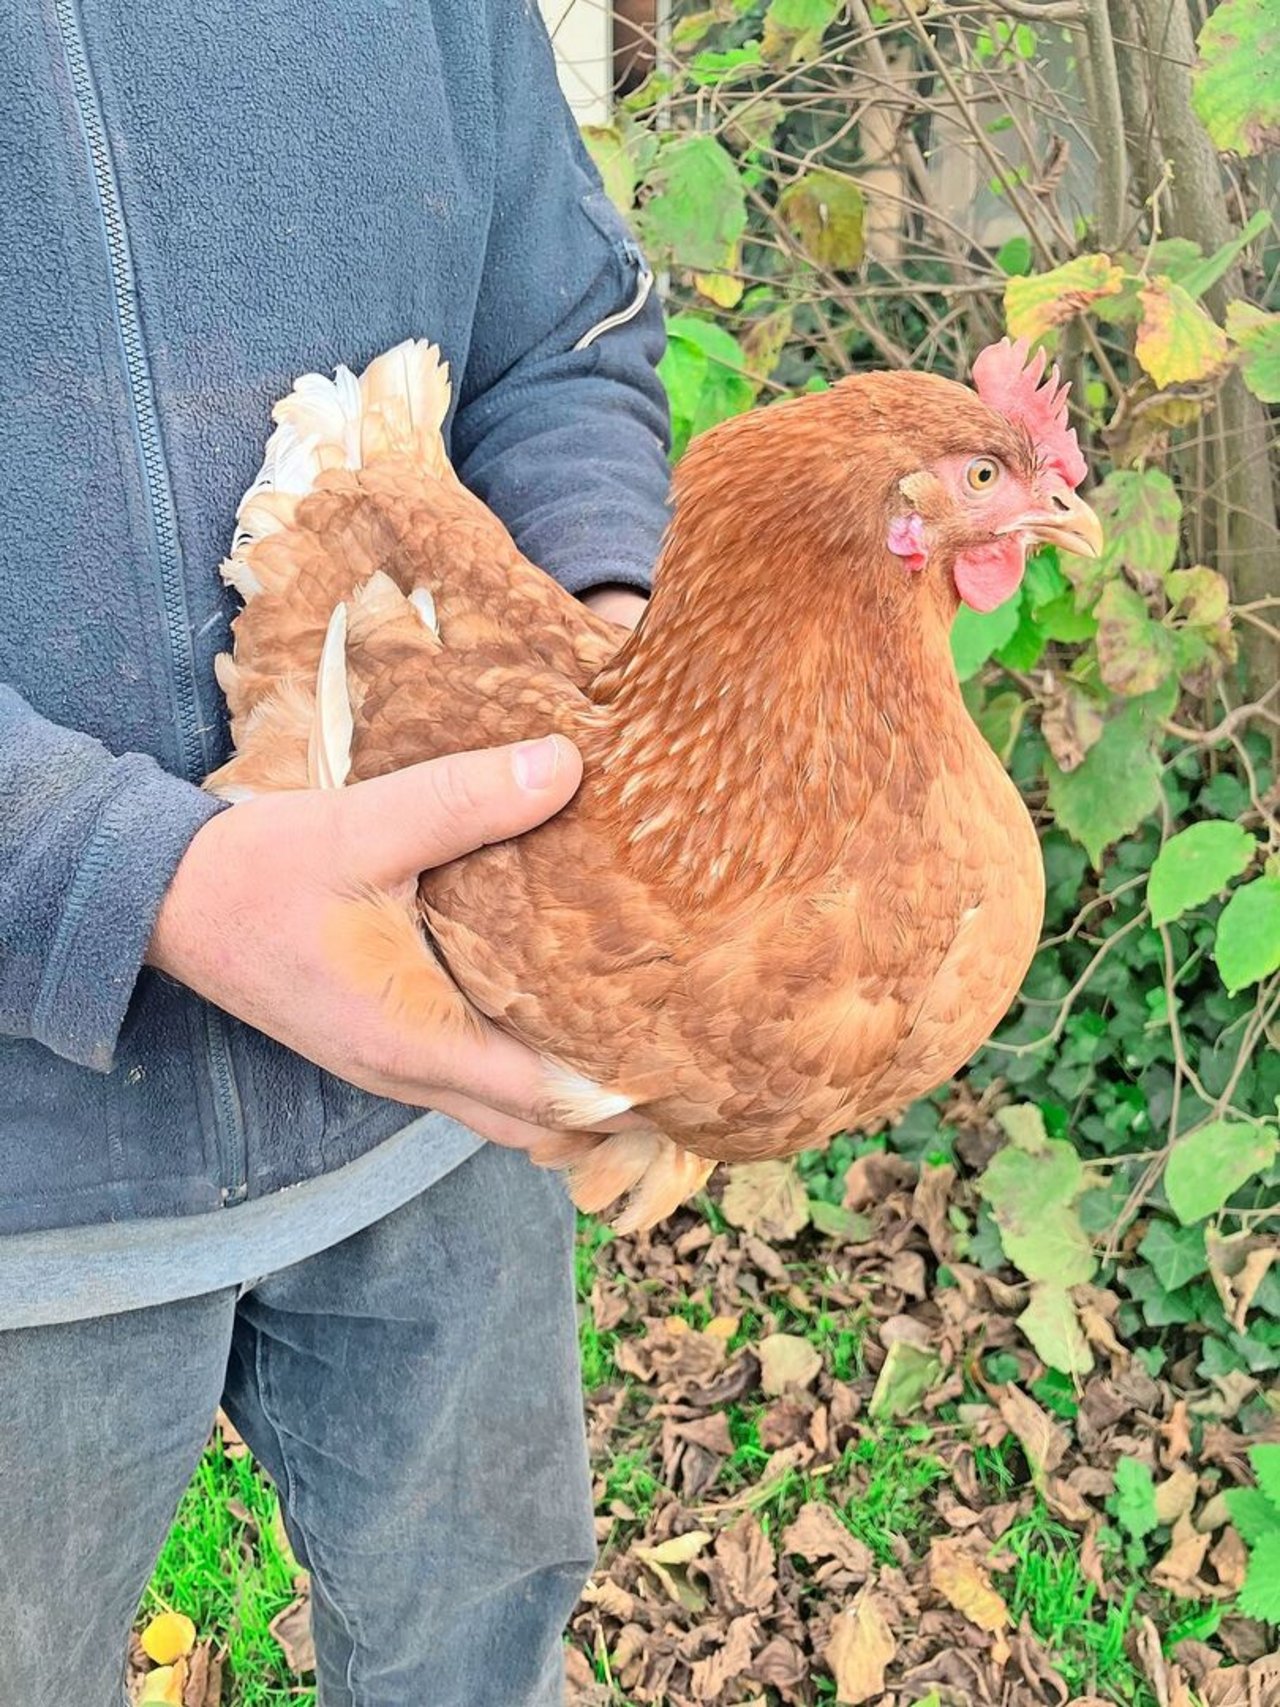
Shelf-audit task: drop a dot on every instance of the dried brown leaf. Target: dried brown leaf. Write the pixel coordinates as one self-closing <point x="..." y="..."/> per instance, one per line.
<point x="1178" y="1570"/>
<point x="1042" y="1440"/>
<point x="1230" y="1560"/>
<point x="859" y="1649"/>
<point x="292" y="1630"/>
<point x="781" y="1664"/>
<point x="765" y="1198"/>
<point x="963" y="1580"/>
<point x="787" y="1363"/>
<point x="1176" y="1495"/>
<point x="745" y="1566"/>
<point x="817" y="1533"/>
<point x="203" y="1687"/>
<point x="1237" y="1267"/>
<point x="668" y="1562"/>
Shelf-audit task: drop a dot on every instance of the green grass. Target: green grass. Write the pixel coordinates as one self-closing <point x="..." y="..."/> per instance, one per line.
<point x="231" y="1576"/>
<point x="885" y="1480"/>
<point x="226" y="1566"/>
<point x="1085" y="1635"/>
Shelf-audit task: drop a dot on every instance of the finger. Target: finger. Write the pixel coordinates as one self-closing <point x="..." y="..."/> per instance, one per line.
<point x="497" y="1127"/>
<point x="492" y="1067"/>
<point x="399" y="825"/>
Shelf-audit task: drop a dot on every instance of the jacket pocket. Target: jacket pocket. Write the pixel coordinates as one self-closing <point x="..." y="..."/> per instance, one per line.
<point x="637" y="275"/>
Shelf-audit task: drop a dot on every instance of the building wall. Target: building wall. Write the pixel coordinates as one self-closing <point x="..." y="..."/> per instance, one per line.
<point x="581" y="33"/>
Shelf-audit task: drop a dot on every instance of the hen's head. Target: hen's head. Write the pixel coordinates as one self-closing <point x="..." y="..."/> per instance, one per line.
<point x="993" y="476"/>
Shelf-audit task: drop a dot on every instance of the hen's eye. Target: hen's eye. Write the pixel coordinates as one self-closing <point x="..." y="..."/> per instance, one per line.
<point x="982" y="473"/>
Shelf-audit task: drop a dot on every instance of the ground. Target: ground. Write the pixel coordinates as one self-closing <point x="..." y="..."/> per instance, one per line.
<point x="829" y="1468"/>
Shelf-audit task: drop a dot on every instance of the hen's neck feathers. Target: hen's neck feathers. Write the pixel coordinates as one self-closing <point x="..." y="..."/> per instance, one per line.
<point x="789" y="672"/>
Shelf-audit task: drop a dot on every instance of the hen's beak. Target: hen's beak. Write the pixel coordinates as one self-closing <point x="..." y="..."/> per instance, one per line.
<point x="1067" y="521"/>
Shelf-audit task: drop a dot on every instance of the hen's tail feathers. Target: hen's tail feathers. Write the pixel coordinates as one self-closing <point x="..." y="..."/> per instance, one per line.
<point x="375" y="941"/>
<point x="396" y="408"/>
<point x="288" y="694"/>
<point x="650" y="1173"/>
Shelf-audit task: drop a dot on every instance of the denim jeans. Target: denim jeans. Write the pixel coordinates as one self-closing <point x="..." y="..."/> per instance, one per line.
<point x="413" y="1393"/>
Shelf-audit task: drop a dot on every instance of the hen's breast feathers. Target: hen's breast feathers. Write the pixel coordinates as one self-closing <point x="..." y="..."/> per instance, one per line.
<point x="389" y="618"/>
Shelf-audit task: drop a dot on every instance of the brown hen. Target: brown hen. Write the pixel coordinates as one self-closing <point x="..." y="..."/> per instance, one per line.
<point x="796" y="888"/>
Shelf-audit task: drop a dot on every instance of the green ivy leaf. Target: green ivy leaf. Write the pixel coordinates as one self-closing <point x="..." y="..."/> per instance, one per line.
<point x="1135" y="1498"/>
<point x="793" y="29"/>
<point x="1000" y="719"/>
<point x="1195" y="865"/>
<point x="1238" y="103"/>
<point x="1135" y="654"/>
<point x="1051" y="1324"/>
<point x="1207" y="1166"/>
<point x="697" y="208"/>
<point x="824" y="210"/>
<point x="1116" y="786"/>
<point x="1265" y="1459"/>
<point x="1256" y="335"/>
<point x="975" y="635"/>
<point x="1260" y="1595"/>
<point x="1177" y="341"/>
<point x="1062" y="619"/>
<point x="1025" y="646"/>
<point x="1252" y="1513"/>
<point x="702" y="371"/>
<point x="1248" y="946"/>
<point x="1015" y="258"/>
<point x="1177" y="1254"/>
<point x="1023" y="1125"/>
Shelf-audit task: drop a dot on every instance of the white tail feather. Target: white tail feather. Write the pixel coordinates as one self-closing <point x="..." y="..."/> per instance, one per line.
<point x="333" y="728"/>
<point x="396" y="408"/>
<point x="578" y="1102"/>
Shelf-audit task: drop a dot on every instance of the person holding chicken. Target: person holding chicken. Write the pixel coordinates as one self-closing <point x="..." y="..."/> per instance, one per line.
<point x="236" y="1196"/>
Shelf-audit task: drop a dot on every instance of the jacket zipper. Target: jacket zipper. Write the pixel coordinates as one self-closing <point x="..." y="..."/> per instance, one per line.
<point x="610" y="323"/>
<point x="195" y="757"/>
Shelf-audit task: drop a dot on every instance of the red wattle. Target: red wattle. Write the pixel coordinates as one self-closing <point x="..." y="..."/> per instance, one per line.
<point x="989" y="574"/>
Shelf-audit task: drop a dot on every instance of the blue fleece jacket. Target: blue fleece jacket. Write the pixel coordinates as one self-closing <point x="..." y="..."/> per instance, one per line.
<point x="199" y="200"/>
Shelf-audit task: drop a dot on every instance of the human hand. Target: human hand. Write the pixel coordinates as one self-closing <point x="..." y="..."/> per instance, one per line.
<point x="620" y="605"/>
<point x="244" y="923"/>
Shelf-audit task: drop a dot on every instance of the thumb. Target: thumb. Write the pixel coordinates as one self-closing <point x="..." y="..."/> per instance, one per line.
<point x="428" y="814"/>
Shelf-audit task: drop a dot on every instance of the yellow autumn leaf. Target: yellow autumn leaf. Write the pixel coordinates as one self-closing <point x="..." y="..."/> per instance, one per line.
<point x="168" y="1637"/>
<point x="721" y="288"/>
<point x="858" y="1651"/>
<point x="963" y="1580"/>
<point x="1037" y="303"/>
<point x="164" y="1686"/>
<point x="1177" y="341"/>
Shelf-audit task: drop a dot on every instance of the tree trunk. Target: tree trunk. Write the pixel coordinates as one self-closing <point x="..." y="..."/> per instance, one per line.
<point x="1240" y="496"/>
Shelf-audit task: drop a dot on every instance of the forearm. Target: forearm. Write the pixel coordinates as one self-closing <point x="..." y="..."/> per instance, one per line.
<point x="562" y="422"/>
<point x="88" y="844"/>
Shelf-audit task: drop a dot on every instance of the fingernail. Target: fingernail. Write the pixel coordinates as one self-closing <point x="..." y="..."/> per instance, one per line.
<point x="536" y="763"/>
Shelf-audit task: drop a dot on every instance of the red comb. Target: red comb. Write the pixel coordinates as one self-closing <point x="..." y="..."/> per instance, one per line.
<point x="1012" y="381"/>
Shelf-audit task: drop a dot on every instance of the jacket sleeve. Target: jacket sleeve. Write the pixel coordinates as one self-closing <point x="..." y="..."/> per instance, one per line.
<point x="88" y="844"/>
<point x="562" y="423"/>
